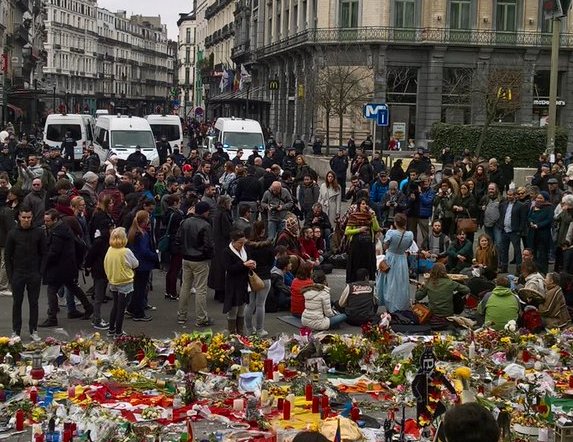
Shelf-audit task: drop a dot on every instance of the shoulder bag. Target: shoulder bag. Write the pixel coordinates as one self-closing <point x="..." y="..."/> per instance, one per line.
<point x="422" y="313"/>
<point x="165" y="240"/>
<point x="255" y="281"/>
<point x="384" y="267"/>
<point x="468" y="225"/>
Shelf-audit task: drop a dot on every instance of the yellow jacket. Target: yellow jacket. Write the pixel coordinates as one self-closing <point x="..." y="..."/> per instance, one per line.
<point x="119" y="265"/>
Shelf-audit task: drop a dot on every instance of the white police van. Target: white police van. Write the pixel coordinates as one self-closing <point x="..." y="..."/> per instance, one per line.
<point x="168" y="126"/>
<point x="239" y="133"/>
<point x="80" y="127"/>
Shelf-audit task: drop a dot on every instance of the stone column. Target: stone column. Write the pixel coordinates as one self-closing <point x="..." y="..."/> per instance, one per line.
<point x="481" y="75"/>
<point x="379" y="70"/>
<point x="525" y="113"/>
<point x="429" y="103"/>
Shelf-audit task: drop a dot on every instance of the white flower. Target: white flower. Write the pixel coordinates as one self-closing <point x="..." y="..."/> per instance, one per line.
<point x="511" y="326"/>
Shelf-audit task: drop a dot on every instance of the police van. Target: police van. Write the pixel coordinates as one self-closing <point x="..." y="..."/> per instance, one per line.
<point x="80" y="127"/>
<point x="168" y="126"/>
<point x="239" y="133"/>
<point x="120" y="134"/>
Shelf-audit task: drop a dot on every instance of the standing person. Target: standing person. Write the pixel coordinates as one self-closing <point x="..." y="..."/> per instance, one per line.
<point x="339" y="165"/>
<point x="237" y="266"/>
<point x="298" y="145"/>
<point x="539" y="236"/>
<point x="277" y="202"/>
<point x="6" y="225"/>
<point x="195" y="237"/>
<point x="513" y="224"/>
<point x="163" y="149"/>
<point x="222" y="226"/>
<point x="308" y="193"/>
<point x="119" y="263"/>
<point x="361" y="229"/>
<point x="173" y="218"/>
<point x="139" y="241"/>
<point x="67" y="149"/>
<point x="393" y="286"/>
<point x="351" y="145"/>
<point x="94" y="265"/>
<point x="490" y="209"/>
<point x="330" y="197"/>
<point x="464" y="206"/>
<point x="23" y="254"/>
<point x="36" y="200"/>
<point x="261" y="250"/>
<point x="61" y="267"/>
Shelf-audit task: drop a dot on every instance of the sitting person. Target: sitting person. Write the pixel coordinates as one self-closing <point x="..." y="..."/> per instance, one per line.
<point x="308" y="248"/>
<point x="318" y="313"/>
<point x="435" y="246"/>
<point x="278" y="298"/>
<point x="358" y="300"/>
<point x="460" y="253"/>
<point x="554" y="311"/>
<point x="282" y="252"/>
<point x="486" y="254"/>
<point x="440" y="291"/>
<point x="289" y="237"/>
<point x="499" y="306"/>
<point x="301" y="281"/>
<point x="319" y="241"/>
<point x="533" y="280"/>
<point x="319" y="219"/>
<point x="483" y="283"/>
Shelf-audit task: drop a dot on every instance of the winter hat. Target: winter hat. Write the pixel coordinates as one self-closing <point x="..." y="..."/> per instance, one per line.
<point x="291" y="224"/>
<point x="545" y="195"/>
<point x="187" y="168"/>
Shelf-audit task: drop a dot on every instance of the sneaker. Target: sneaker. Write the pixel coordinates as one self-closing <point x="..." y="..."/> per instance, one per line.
<point x="111" y="333"/>
<point x="262" y="333"/>
<point x="171" y="297"/>
<point x="144" y="318"/>
<point x="205" y="323"/>
<point x="101" y="325"/>
<point x="49" y="323"/>
<point x="117" y="335"/>
<point x="5" y="293"/>
<point x="128" y="314"/>
<point x="181" y="320"/>
<point x="62" y="301"/>
<point x="14" y="335"/>
<point x="150" y="307"/>
<point x="35" y="336"/>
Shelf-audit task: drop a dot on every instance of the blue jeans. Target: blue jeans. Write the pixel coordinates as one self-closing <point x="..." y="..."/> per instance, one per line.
<point x="256" y="308"/>
<point x="506" y="239"/>
<point x="274" y="228"/>
<point x="337" y="319"/>
<point x="495" y="234"/>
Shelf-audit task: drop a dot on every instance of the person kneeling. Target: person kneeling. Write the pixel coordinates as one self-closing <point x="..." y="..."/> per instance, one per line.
<point x="500" y="305"/>
<point x="318" y="313"/>
<point x="358" y="301"/>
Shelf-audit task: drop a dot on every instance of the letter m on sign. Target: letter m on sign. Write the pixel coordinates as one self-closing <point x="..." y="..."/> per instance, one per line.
<point x="371" y="110"/>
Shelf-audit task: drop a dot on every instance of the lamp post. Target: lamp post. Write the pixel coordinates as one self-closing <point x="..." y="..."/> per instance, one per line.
<point x="248" y="83"/>
<point x="54" y="99"/>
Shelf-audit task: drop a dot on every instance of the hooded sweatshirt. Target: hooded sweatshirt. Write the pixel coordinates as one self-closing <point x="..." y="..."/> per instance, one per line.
<point x="317" y="307"/>
<point x="500" y="307"/>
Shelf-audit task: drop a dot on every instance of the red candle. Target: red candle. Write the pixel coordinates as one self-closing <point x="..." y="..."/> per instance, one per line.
<point x="286" y="410"/>
<point x="2" y="395"/>
<point x="315" y="404"/>
<point x="324" y="401"/>
<point x="67" y="436"/>
<point x="280" y="403"/>
<point x="71" y="392"/>
<point x="571" y="381"/>
<point x="140" y="355"/>
<point x="20" y="420"/>
<point x="354" y="413"/>
<point x="526" y="356"/>
<point x="33" y="395"/>
<point x="39" y="437"/>
<point x="325" y="412"/>
<point x="308" y="392"/>
<point x="268" y="367"/>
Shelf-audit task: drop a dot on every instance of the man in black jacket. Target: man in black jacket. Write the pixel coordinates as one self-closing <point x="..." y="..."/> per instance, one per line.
<point x="298" y="145"/>
<point x="61" y="267"/>
<point x="339" y="165"/>
<point x="249" y="191"/>
<point x="24" y="253"/>
<point x="195" y="238"/>
<point x="67" y="148"/>
<point x="136" y="159"/>
<point x="91" y="161"/>
<point x="163" y="150"/>
<point x="6" y="225"/>
<point x="513" y="224"/>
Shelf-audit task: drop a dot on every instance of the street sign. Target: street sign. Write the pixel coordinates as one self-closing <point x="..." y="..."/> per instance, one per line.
<point x="399" y="131"/>
<point x="371" y="110"/>
<point x="274" y="85"/>
<point x="382" y="119"/>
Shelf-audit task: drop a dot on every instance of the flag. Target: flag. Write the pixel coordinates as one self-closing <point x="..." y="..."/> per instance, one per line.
<point x="245" y="77"/>
<point x="224" y="80"/>
<point x="236" y="81"/>
<point x="337" y="435"/>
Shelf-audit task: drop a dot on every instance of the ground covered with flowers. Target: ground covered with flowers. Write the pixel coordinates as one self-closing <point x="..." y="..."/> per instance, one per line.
<point x="134" y="388"/>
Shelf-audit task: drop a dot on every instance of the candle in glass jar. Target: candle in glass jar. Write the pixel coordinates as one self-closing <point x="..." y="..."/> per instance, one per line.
<point x="286" y="410"/>
<point x="324" y="401"/>
<point x="315" y="404"/>
<point x="33" y="395"/>
<point x="308" y="392"/>
<point x="20" y="420"/>
<point x="325" y="412"/>
<point x="276" y="376"/>
<point x="238" y="404"/>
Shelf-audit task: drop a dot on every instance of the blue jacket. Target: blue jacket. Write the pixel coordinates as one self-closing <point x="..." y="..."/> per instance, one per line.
<point x="378" y="190"/>
<point x="144" y="252"/>
<point x="427" y="203"/>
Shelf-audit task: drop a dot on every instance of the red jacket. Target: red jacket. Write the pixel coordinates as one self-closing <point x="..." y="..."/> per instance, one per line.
<point x="296" y="297"/>
<point x="308" y="247"/>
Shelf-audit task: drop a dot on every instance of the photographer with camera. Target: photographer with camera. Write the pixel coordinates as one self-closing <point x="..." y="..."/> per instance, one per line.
<point x="420" y="204"/>
<point x="277" y="202"/>
<point x="393" y="202"/>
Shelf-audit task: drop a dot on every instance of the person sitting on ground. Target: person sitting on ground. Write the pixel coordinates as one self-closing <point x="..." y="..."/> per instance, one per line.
<point x="500" y="305"/>
<point x="301" y="281"/>
<point x="533" y="280"/>
<point x="319" y="219"/>
<point x="435" y="246"/>
<point x="308" y="246"/>
<point x="440" y="289"/>
<point x="554" y="311"/>
<point x="460" y="253"/>
<point x="318" y="313"/>
<point x="278" y="298"/>
<point x="358" y="300"/>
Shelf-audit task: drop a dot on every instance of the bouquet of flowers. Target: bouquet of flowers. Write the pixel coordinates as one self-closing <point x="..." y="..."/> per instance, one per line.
<point x="219" y="354"/>
<point x="132" y="345"/>
<point x="345" y="353"/>
<point x="13" y="346"/>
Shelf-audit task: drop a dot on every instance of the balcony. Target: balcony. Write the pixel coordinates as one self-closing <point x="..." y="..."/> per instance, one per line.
<point x="413" y="37"/>
<point x="214" y="9"/>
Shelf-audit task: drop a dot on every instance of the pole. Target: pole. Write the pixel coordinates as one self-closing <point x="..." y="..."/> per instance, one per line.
<point x="374" y="140"/>
<point x="54" y="100"/>
<point x="553" y="86"/>
<point x="247" y="107"/>
<point x="5" y="100"/>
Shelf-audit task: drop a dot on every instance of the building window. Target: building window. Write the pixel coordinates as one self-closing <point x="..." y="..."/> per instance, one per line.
<point x="187" y="55"/>
<point x="349" y="14"/>
<point x="188" y="36"/>
<point x="460" y="14"/>
<point x="506" y="15"/>
<point x="187" y="76"/>
<point x="405" y="14"/>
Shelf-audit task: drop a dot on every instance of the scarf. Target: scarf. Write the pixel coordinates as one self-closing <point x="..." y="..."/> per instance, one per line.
<point x="243" y="257"/>
<point x="360" y="219"/>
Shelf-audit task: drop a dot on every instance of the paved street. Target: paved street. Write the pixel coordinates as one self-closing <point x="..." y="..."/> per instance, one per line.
<point x="164" y="323"/>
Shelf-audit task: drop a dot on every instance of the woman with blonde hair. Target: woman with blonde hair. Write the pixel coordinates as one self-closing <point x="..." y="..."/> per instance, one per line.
<point x="119" y="263"/>
<point x="139" y="241"/>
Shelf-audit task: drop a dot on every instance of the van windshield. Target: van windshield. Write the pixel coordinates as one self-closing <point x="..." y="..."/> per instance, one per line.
<point x="244" y="140"/>
<point x="131" y="138"/>
<point x="170" y="131"/>
<point x="57" y="132"/>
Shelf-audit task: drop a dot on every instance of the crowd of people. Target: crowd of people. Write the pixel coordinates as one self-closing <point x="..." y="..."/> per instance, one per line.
<point x="262" y="230"/>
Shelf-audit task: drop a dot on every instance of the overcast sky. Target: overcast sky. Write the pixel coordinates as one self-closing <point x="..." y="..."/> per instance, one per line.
<point x="168" y="9"/>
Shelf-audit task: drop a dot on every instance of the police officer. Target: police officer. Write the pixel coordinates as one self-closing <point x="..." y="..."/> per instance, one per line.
<point x="138" y="159"/>
<point x="163" y="149"/>
<point x="67" y="149"/>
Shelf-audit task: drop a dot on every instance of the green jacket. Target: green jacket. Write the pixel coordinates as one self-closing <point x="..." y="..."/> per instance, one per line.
<point x="500" y="307"/>
<point x="455" y="249"/>
<point x="440" y="295"/>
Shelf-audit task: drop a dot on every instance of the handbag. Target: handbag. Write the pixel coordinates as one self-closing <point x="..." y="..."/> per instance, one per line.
<point x="255" y="281"/>
<point x="468" y="225"/>
<point x="422" y="313"/>
<point x="384" y="267"/>
<point x="165" y="240"/>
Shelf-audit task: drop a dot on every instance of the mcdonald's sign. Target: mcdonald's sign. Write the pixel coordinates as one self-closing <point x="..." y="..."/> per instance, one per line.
<point x="274" y="85"/>
<point x="504" y="94"/>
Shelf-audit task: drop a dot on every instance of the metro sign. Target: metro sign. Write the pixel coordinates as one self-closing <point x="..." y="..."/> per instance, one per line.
<point x="378" y="112"/>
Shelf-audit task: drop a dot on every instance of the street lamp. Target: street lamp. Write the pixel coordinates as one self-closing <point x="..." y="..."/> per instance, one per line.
<point x="247" y="82"/>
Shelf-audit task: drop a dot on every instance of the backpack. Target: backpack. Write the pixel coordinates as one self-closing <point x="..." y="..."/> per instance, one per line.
<point x="232" y="187"/>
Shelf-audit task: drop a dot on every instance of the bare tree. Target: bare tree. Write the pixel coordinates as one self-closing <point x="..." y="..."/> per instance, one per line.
<point x="342" y="91"/>
<point x="496" y="93"/>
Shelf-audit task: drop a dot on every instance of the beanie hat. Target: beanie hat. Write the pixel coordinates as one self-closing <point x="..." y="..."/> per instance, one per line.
<point x="202" y="207"/>
<point x="90" y="177"/>
<point x="545" y="195"/>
